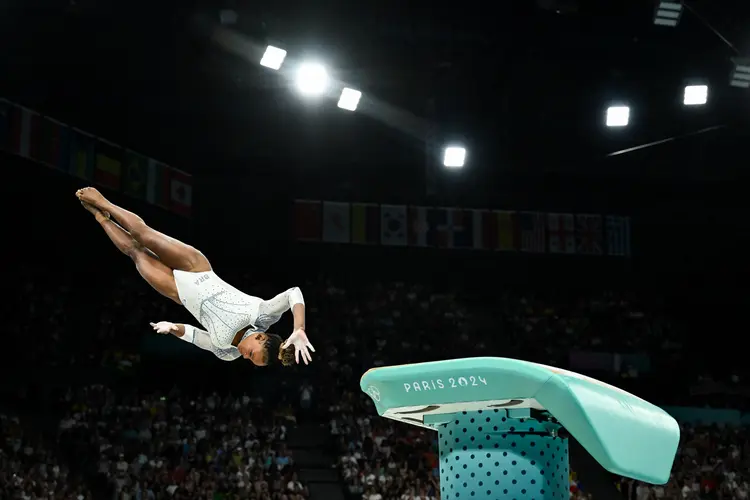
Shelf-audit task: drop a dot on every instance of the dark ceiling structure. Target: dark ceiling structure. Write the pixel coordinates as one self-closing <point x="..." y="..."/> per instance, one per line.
<point x="524" y="83"/>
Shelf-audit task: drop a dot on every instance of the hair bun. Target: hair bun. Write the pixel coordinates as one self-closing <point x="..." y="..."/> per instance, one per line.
<point x="287" y="355"/>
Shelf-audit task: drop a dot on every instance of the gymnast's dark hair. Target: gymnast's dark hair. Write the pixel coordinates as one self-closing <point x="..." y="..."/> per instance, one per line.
<point x="273" y="353"/>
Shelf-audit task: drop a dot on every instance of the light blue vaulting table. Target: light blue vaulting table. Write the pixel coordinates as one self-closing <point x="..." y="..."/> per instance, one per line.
<point x="503" y="425"/>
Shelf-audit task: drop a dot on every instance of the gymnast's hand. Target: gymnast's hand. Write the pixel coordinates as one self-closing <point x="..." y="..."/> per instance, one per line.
<point x="301" y="345"/>
<point x="164" y="327"/>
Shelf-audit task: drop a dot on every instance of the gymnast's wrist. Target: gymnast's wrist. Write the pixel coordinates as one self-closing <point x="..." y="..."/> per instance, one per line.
<point x="185" y="332"/>
<point x="179" y="330"/>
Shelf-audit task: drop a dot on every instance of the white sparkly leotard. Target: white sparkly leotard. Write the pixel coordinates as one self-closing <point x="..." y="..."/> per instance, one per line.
<point x="223" y="311"/>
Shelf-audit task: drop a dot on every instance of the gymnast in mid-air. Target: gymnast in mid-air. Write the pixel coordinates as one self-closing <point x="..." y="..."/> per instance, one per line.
<point x="235" y="323"/>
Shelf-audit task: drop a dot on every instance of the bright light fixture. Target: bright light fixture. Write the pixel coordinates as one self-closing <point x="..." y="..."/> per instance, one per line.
<point x="349" y="99"/>
<point x="618" y="116"/>
<point x="454" y="157"/>
<point x="273" y="57"/>
<point x="312" y="79"/>
<point x="741" y="73"/>
<point x="695" y="95"/>
<point x="668" y="13"/>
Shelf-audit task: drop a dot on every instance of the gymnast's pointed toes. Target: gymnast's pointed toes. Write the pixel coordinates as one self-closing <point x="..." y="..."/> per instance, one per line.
<point x="92" y="196"/>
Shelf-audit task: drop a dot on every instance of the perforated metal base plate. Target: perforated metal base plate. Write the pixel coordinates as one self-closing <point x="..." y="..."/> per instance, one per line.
<point x="491" y="455"/>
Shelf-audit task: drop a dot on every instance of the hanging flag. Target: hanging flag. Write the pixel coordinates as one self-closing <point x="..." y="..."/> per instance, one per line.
<point x="81" y="157"/>
<point x="307" y="220"/>
<point x="532" y="232"/>
<point x="508" y="232"/>
<point x="561" y="233"/>
<point x="108" y="165"/>
<point x="180" y="192"/>
<point x="589" y="234"/>
<point x="336" y="222"/>
<point x="393" y="225"/>
<point x="618" y="236"/>
<point x="461" y="224"/>
<point x="60" y="147"/>
<point x="49" y="142"/>
<point x="485" y="229"/>
<point x="418" y="226"/>
<point x="439" y="231"/>
<point x="157" y="184"/>
<point x="365" y="223"/>
<point x="19" y="137"/>
<point x="135" y="177"/>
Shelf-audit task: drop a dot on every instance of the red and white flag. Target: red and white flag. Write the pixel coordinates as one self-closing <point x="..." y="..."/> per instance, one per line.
<point x="561" y="233"/>
<point x="589" y="234"/>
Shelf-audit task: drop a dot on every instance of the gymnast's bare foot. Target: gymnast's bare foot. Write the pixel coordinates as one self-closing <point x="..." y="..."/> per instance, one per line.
<point x="98" y="214"/>
<point x="93" y="197"/>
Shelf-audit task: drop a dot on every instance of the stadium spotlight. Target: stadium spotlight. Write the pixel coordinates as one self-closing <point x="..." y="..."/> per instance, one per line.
<point x="273" y="57"/>
<point x="668" y="13"/>
<point x="349" y="99"/>
<point x="312" y="79"/>
<point x="695" y="95"/>
<point x="741" y="73"/>
<point x="454" y="157"/>
<point x="618" y="116"/>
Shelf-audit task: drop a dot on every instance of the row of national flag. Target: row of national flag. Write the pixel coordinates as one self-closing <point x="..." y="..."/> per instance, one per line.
<point x="40" y="138"/>
<point x="502" y="230"/>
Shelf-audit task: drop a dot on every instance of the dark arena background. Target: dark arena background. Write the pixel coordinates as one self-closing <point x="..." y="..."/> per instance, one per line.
<point x="553" y="235"/>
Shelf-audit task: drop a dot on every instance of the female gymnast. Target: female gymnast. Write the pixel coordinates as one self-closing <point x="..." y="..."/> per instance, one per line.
<point x="235" y="322"/>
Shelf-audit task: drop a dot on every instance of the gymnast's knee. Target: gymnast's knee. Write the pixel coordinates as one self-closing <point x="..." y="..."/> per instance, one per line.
<point x="138" y="231"/>
<point x="135" y="251"/>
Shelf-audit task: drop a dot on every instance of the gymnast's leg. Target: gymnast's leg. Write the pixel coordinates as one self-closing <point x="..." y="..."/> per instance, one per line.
<point x="155" y="272"/>
<point x="174" y="253"/>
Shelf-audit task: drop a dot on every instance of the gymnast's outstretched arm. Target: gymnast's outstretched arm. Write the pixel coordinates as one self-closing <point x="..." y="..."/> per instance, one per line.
<point x="290" y="299"/>
<point x="196" y="336"/>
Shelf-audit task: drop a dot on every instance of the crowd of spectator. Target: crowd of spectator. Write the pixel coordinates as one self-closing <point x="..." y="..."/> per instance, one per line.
<point x="136" y="445"/>
<point x="379" y="459"/>
<point x="178" y="446"/>
<point x="30" y="468"/>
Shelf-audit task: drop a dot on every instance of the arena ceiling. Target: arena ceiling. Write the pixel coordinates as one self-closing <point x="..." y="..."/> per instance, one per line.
<point x="524" y="83"/>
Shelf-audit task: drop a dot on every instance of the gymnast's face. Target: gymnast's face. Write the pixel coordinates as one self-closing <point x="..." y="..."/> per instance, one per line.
<point x="252" y="348"/>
